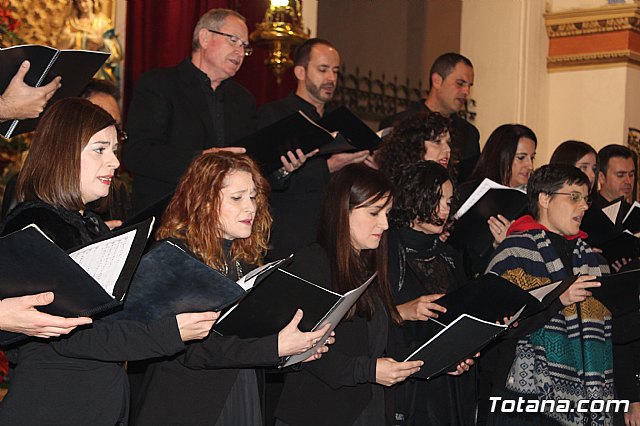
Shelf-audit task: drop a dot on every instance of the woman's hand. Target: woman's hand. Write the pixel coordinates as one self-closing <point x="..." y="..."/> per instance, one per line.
<point x="19" y="315"/>
<point x="618" y="264"/>
<point x="292" y="341"/>
<point x="422" y="308"/>
<point x="293" y="161"/>
<point x="464" y="366"/>
<point x="577" y="292"/>
<point x="322" y="349"/>
<point x="196" y="325"/>
<point x="389" y="371"/>
<point x="498" y="227"/>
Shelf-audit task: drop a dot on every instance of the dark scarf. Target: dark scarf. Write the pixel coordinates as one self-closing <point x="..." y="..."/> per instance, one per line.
<point x="431" y="260"/>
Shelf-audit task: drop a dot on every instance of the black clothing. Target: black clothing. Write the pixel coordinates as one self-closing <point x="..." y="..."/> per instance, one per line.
<point x="211" y="377"/>
<point x="296" y="206"/>
<point x="173" y="117"/>
<point x="421" y="264"/>
<point x="600" y="202"/>
<point x="465" y="138"/>
<point x="78" y="379"/>
<point x="341" y="386"/>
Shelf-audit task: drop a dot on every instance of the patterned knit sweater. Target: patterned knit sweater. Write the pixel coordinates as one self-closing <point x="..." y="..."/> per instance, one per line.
<point x="570" y="357"/>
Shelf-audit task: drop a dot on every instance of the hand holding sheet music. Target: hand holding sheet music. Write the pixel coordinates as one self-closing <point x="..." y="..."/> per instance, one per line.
<point x="77" y="292"/>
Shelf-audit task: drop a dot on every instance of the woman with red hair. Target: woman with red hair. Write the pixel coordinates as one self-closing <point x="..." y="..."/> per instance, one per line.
<point x="220" y="213"/>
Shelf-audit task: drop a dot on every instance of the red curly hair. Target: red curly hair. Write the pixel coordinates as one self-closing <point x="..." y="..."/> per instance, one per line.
<point x="193" y="213"/>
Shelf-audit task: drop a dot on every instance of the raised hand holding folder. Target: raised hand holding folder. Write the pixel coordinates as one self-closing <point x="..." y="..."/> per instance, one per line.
<point x="76" y="67"/>
<point x="339" y="131"/>
<point x="489" y="199"/>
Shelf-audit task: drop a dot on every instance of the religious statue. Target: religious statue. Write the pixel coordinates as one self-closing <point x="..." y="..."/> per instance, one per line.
<point x="89" y="29"/>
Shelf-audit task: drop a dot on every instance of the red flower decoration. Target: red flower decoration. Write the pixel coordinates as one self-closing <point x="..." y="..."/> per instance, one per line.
<point x="8" y="20"/>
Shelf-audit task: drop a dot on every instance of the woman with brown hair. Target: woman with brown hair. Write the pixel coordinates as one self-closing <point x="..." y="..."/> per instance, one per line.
<point x="79" y="379"/>
<point x="422" y="136"/>
<point x="220" y="213"/>
<point x="345" y="387"/>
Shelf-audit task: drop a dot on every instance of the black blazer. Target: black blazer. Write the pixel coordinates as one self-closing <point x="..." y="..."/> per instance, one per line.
<point x="169" y="123"/>
<point x="335" y="389"/>
<point x="78" y="379"/>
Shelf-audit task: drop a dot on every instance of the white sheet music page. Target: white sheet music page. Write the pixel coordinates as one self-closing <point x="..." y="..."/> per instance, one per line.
<point x="612" y="211"/>
<point x="634" y="206"/>
<point x="247" y="281"/>
<point x="104" y="260"/>
<point x="482" y="189"/>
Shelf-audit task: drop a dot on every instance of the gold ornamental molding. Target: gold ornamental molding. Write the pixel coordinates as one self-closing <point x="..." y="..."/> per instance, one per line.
<point x="599" y="36"/>
<point x="588" y="21"/>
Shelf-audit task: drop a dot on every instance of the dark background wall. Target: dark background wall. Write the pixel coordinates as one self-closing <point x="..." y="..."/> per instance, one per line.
<point x="395" y="37"/>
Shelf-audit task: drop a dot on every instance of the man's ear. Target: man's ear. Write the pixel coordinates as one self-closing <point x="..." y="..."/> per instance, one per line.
<point x="436" y="80"/>
<point x="601" y="179"/>
<point x="299" y="72"/>
<point x="203" y="37"/>
<point x="543" y="200"/>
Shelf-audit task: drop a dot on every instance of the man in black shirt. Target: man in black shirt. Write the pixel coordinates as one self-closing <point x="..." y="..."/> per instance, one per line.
<point x="195" y="107"/>
<point x="450" y="78"/>
<point x="296" y="197"/>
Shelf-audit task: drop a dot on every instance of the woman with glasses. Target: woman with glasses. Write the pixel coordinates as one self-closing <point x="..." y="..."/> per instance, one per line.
<point x="564" y="352"/>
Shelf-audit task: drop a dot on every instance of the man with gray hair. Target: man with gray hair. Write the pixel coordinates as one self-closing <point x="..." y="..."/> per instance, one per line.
<point x="195" y="107"/>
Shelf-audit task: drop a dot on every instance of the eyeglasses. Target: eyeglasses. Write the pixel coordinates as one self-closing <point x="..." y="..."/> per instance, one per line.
<point x="576" y="196"/>
<point x="236" y="41"/>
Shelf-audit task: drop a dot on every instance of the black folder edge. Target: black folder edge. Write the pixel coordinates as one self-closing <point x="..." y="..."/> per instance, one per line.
<point x="143" y="230"/>
<point x="357" y="135"/>
<point x="500" y="329"/>
<point x="522" y="314"/>
<point x="258" y="281"/>
<point x="8" y="128"/>
<point x="463" y="224"/>
<point x="633" y="217"/>
<point x="294" y="359"/>
<point x="8" y="338"/>
<point x="182" y="250"/>
<point x="602" y="293"/>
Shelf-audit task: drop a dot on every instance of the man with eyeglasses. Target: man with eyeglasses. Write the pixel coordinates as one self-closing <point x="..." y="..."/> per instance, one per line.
<point x="195" y="107"/>
<point x="450" y="80"/>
